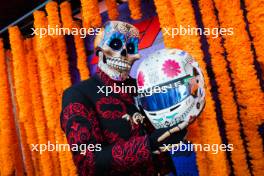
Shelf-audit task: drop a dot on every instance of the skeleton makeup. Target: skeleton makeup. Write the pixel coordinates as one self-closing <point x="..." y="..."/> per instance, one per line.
<point x="117" y="48"/>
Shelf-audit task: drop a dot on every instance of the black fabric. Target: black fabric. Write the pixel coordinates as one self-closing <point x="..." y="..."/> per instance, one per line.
<point x="85" y="122"/>
<point x="89" y="117"/>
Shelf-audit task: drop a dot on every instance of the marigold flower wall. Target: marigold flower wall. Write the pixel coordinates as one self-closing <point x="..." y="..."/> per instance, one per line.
<point x="35" y="71"/>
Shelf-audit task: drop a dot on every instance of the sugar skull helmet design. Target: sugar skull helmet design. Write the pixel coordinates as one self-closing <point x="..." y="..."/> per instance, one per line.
<point x="171" y="88"/>
<point x="117" y="48"/>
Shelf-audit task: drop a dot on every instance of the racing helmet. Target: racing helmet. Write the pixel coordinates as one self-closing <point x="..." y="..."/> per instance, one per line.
<point x="170" y="88"/>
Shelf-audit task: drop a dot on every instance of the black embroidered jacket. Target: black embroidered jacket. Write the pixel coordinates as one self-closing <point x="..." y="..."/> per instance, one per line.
<point x="89" y="117"/>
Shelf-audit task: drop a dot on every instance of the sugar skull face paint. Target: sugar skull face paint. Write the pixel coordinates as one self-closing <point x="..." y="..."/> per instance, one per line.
<point x="117" y="48"/>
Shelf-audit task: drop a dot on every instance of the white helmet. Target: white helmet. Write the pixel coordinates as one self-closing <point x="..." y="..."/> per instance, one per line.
<point x="171" y="88"/>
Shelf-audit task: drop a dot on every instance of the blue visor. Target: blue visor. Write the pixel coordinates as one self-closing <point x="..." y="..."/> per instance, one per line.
<point x="166" y="99"/>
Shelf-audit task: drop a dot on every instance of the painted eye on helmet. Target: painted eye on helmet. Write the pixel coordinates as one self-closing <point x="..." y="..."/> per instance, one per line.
<point x="116" y="44"/>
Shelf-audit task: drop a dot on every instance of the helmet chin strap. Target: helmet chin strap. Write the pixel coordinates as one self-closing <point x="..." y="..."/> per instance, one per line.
<point x="112" y="73"/>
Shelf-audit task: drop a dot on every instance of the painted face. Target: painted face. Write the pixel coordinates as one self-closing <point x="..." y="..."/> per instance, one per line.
<point x="118" y="49"/>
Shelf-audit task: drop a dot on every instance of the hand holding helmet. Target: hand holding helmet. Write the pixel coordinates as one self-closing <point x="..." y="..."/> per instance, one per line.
<point x="165" y="136"/>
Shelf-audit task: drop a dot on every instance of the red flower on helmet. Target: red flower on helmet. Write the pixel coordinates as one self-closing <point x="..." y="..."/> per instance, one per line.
<point x="140" y="79"/>
<point x="171" y="68"/>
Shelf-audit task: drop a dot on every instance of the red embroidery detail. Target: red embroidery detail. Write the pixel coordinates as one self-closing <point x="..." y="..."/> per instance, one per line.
<point x="71" y="137"/>
<point x="78" y="109"/>
<point x="96" y="131"/>
<point x="74" y="109"/>
<point x="83" y="135"/>
<point x="89" y="163"/>
<point x="111" y="137"/>
<point x="130" y="154"/>
<point x="135" y="130"/>
<point x="79" y="134"/>
<point x="85" y="163"/>
<point x="105" y="102"/>
<point x="75" y="126"/>
<point x="105" y="78"/>
<point x="126" y="97"/>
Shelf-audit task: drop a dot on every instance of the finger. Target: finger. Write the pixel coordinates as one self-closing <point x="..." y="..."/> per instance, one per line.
<point x="179" y="127"/>
<point x="156" y="152"/>
<point x="174" y="129"/>
<point x="183" y="125"/>
<point x="164" y="149"/>
<point x="141" y="120"/>
<point x="135" y="121"/>
<point x="168" y="148"/>
<point x="164" y="136"/>
<point x="126" y="116"/>
<point x="135" y="117"/>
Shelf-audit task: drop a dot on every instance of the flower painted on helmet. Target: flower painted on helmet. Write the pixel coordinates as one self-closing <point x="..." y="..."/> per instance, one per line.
<point x="171" y="68"/>
<point x="140" y="79"/>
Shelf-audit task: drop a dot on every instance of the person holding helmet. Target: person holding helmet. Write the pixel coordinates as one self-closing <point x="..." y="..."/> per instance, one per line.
<point x="90" y="117"/>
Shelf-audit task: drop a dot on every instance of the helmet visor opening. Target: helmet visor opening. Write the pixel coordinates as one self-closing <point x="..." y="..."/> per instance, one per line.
<point x="171" y="96"/>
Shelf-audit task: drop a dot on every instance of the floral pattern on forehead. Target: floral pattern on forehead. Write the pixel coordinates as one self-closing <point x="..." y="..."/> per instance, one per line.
<point x="124" y="28"/>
